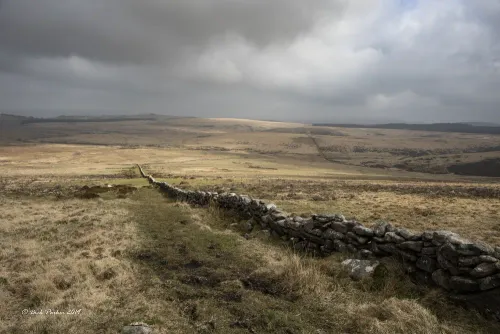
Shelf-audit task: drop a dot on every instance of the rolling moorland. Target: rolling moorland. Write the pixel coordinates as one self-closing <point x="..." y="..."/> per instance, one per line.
<point x="127" y="254"/>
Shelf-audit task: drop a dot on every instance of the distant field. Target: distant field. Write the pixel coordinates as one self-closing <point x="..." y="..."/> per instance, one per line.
<point x="384" y="150"/>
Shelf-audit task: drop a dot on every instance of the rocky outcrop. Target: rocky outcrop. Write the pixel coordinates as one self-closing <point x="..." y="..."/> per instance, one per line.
<point x="440" y="258"/>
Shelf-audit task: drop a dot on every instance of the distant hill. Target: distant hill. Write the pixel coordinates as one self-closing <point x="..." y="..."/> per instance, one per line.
<point x="82" y="119"/>
<point x="490" y="128"/>
<point x="87" y="119"/>
<point x="481" y="124"/>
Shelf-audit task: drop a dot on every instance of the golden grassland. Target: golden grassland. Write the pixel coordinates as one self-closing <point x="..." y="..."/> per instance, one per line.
<point x="348" y="147"/>
<point x="141" y="257"/>
<point x="189" y="270"/>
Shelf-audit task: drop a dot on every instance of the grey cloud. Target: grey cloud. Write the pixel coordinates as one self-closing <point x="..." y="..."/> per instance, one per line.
<point x="148" y="30"/>
<point x="327" y="60"/>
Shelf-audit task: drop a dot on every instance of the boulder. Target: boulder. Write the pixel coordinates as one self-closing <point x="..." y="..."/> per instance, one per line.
<point x="359" y="269"/>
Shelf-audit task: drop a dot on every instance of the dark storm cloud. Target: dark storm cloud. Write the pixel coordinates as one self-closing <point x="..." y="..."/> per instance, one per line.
<point x="147" y="30"/>
<point x="328" y="60"/>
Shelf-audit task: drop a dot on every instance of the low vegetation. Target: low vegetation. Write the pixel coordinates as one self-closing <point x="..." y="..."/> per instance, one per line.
<point x="185" y="270"/>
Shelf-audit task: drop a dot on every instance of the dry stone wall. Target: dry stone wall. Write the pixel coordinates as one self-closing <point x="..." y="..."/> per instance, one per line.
<point x="470" y="271"/>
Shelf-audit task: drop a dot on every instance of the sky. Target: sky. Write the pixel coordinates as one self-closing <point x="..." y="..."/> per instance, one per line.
<point x="295" y="60"/>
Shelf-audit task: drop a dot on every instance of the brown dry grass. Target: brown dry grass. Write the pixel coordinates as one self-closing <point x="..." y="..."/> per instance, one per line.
<point x="68" y="255"/>
<point x="122" y="260"/>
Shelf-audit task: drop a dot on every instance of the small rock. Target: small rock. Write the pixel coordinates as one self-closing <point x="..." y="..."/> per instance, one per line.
<point x="359" y="269"/>
<point x="469" y="261"/>
<point x="445" y="264"/>
<point x="388" y="248"/>
<point x="497" y="252"/>
<point x="488" y="259"/>
<point x="449" y="252"/>
<point x="339" y="227"/>
<point x="482" y="247"/>
<point x="412" y="245"/>
<point x="328" y="245"/>
<point x="429" y="251"/>
<point x="427" y="264"/>
<point x="423" y="277"/>
<point x="365" y="254"/>
<point x="351" y="224"/>
<point x="363" y="231"/>
<point x="393" y="237"/>
<point x="351" y="248"/>
<point x="298" y="219"/>
<point x="376" y="250"/>
<point x="441" y="278"/>
<point x="137" y="328"/>
<point x="483" y="270"/>
<point x="427" y="235"/>
<point x="467" y="250"/>
<point x="463" y="284"/>
<point x="357" y="238"/>
<point x="248" y="225"/>
<point x="271" y="207"/>
<point x="490" y="282"/>
<point x="407" y="255"/>
<point x="339" y="246"/>
<point x="332" y="235"/>
<point x="380" y="228"/>
<point x="440" y="237"/>
<point x="409" y="235"/>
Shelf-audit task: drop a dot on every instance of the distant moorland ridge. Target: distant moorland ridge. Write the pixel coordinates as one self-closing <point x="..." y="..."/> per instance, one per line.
<point x="439" y="127"/>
